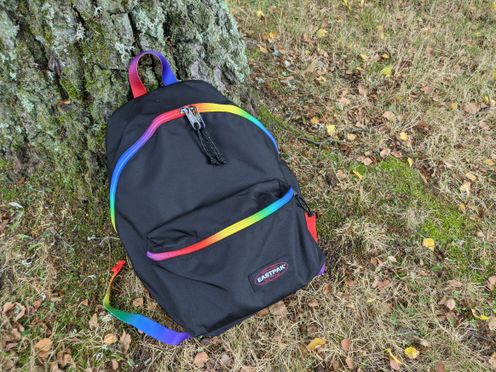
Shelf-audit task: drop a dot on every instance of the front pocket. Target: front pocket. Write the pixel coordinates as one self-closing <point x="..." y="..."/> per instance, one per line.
<point x="208" y="225"/>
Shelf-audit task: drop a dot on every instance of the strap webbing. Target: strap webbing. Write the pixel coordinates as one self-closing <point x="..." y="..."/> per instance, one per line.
<point x="142" y="323"/>
<point x="137" y="86"/>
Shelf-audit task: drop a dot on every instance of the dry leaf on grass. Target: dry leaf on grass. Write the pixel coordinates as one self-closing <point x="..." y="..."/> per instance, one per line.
<point x="491" y="323"/>
<point x="440" y="367"/>
<point x="492" y="360"/>
<point x="389" y="116"/>
<point x="109" y="339"/>
<point x="313" y="303"/>
<point x="411" y="352"/>
<point x="321" y="33"/>
<point x="349" y="362"/>
<point x="410" y="162"/>
<point x="387" y="71"/>
<point x="44" y="347"/>
<point x="471" y="108"/>
<point x="346" y="344"/>
<point x="403" y="136"/>
<point x="429" y="243"/>
<point x="450" y="303"/>
<point x="331" y="130"/>
<point x="351" y="137"/>
<point x="279" y="308"/>
<point x="491" y="282"/>
<point x="138" y="302"/>
<point x="315" y="343"/>
<point x="200" y="359"/>
<point x="125" y="341"/>
<point x="114" y="365"/>
<point x="93" y="322"/>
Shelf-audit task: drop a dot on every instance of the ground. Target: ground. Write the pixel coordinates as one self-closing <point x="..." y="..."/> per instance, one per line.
<point x="386" y="113"/>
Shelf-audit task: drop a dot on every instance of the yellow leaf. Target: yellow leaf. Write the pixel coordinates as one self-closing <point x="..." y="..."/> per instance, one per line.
<point x="351" y="137"/>
<point x="321" y="33"/>
<point x="272" y="36"/>
<point x="357" y="173"/>
<point x="453" y="106"/>
<point x="480" y="317"/>
<point x="260" y="14"/>
<point x="109" y="339"/>
<point x="493" y="6"/>
<point x="314" y="120"/>
<point x="411" y="352"/>
<point x="410" y="161"/>
<point x="429" y="243"/>
<point x="489" y="162"/>
<point x="364" y="57"/>
<point x="462" y="207"/>
<point x="331" y="129"/>
<point x="465" y="187"/>
<point x="471" y="176"/>
<point x="387" y="71"/>
<point x="392" y="356"/>
<point x="385" y="56"/>
<point x="403" y="136"/>
<point x="316" y="343"/>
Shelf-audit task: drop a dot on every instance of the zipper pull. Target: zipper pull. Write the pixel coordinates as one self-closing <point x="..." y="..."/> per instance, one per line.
<point x="206" y="142"/>
<point x="303" y="204"/>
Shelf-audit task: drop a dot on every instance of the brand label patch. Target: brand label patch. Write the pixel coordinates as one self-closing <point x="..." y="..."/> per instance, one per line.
<point x="270" y="273"/>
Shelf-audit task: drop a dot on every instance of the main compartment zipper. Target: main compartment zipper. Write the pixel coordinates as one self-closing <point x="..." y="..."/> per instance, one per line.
<point x="165" y="118"/>
<point x="206" y="142"/>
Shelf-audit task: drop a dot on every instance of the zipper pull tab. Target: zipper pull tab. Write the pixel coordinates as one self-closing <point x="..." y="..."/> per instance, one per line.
<point x="303" y="204"/>
<point x="206" y="142"/>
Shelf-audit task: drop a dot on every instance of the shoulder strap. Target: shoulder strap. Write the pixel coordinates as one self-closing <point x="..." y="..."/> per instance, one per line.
<point x="137" y="86"/>
<point x="142" y="323"/>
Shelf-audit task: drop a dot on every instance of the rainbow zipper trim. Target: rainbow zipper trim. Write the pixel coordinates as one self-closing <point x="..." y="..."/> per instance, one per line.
<point x="162" y="119"/>
<point x="144" y="324"/>
<point x="226" y="232"/>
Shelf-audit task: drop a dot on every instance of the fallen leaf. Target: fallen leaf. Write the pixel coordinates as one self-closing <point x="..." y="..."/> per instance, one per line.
<point x="453" y="106"/>
<point x="260" y="14"/>
<point x="367" y="161"/>
<point x="349" y="362"/>
<point x="263" y="49"/>
<point x="450" y="303"/>
<point x="471" y="108"/>
<point x="385" y="152"/>
<point x="351" y="137"/>
<point x="394" y="365"/>
<point x="125" y="341"/>
<point x="440" y="367"/>
<point x="279" y="308"/>
<point x="489" y="162"/>
<point x="200" y="359"/>
<point x="387" y="71"/>
<point x="465" y="187"/>
<point x="315" y="120"/>
<point x="44" y="346"/>
<point x="403" y="136"/>
<point x="321" y="33"/>
<point x="357" y="173"/>
<point x="491" y="323"/>
<point x="411" y="352"/>
<point x="346" y="344"/>
<point x="316" y="343"/>
<point x="491" y="282"/>
<point x="429" y="243"/>
<point x="54" y="367"/>
<point x="64" y="358"/>
<point x="114" y="365"/>
<point x="313" y="303"/>
<point x="327" y="289"/>
<point x="264" y="312"/>
<point x="138" y="302"/>
<point x="492" y="360"/>
<point x="331" y="129"/>
<point x="393" y="357"/>
<point x="93" y="322"/>
<point x="462" y="207"/>
<point x="410" y="162"/>
<point x="109" y="339"/>
<point x="471" y="176"/>
<point x="7" y="307"/>
<point x="389" y="116"/>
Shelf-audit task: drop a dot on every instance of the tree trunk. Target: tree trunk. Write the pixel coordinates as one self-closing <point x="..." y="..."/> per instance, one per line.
<point x="64" y="71"/>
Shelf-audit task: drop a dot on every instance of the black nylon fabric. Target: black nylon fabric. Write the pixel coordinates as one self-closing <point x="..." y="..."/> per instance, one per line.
<point x="169" y="197"/>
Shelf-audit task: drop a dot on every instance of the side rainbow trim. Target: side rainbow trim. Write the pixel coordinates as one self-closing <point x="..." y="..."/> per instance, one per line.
<point x="144" y="324"/>
<point x="226" y="232"/>
<point x="162" y="119"/>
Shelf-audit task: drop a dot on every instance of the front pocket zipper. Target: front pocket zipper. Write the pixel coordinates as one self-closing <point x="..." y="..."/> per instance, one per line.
<point x="227" y="231"/>
<point x="167" y="117"/>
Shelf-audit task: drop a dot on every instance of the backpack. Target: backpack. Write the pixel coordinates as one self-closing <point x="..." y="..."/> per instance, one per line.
<point x="208" y="212"/>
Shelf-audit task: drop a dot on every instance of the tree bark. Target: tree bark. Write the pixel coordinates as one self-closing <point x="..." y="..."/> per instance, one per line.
<point x="63" y="72"/>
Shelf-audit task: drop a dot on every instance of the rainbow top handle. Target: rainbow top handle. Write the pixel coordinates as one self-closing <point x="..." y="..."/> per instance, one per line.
<point x="137" y="86"/>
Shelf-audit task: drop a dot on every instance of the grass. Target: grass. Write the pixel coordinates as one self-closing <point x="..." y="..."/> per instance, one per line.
<point x="383" y="289"/>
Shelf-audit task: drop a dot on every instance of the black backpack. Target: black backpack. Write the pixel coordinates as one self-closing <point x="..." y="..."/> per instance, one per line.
<point x="210" y="215"/>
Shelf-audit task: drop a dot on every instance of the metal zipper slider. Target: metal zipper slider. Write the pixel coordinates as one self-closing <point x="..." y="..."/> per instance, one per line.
<point x="193" y="117"/>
